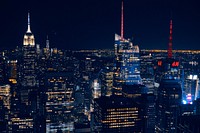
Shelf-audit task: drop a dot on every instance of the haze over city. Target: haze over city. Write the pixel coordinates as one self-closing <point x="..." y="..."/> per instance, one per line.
<point x="90" y="24"/>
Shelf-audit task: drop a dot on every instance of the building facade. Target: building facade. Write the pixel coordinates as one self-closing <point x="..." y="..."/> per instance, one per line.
<point x="168" y="105"/>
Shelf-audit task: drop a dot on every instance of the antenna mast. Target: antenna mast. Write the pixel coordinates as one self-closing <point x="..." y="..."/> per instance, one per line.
<point x="170" y="41"/>
<point x="122" y="21"/>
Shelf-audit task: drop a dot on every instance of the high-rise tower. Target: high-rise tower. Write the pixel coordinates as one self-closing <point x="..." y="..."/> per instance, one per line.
<point x="127" y="62"/>
<point x="28" y="64"/>
<point x="47" y="49"/>
<point x="168" y="102"/>
<point x="29" y="56"/>
<point x="47" y="43"/>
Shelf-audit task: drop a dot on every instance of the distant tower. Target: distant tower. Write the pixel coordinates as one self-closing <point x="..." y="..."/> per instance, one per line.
<point x="47" y="43"/>
<point x="29" y="55"/>
<point x="47" y="49"/>
<point x="170" y="41"/>
<point x="38" y="49"/>
<point x="28" y="64"/>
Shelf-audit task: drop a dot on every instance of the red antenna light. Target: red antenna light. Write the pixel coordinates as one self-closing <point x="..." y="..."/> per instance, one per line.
<point x="122" y="21"/>
<point x="170" y="41"/>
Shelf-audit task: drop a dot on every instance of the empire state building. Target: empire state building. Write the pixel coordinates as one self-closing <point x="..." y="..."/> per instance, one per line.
<point x="29" y="57"/>
<point x="29" y="39"/>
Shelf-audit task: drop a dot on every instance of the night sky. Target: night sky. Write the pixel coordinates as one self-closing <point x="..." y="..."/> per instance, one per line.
<point x="91" y="24"/>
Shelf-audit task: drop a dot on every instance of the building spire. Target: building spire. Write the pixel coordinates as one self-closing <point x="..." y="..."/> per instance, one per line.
<point x="170" y="41"/>
<point x="47" y="43"/>
<point x="29" y="27"/>
<point x="122" y="21"/>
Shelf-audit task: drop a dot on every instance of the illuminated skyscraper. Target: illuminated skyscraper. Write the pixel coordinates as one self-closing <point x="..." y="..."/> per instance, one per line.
<point x="117" y="114"/>
<point x="106" y="78"/>
<point x="47" y="49"/>
<point x="147" y="71"/>
<point x="96" y="93"/>
<point x="5" y="97"/>
<point x="29" y="55"/>
<point x="170" y="76"/>
<point x="59" y="102"/>
<point x="127" y="62"/>
<point x="28" y="63"/>
<point x="191" y="92"/>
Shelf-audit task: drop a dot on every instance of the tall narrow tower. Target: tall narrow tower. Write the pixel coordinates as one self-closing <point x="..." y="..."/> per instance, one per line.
<point x="127" y="61"/>
<point x="122" y="21"/>
<point x="47" y="43"/>
<point x="47" y="48"/>
<point x="170" y="41"/>
<point x="29" y="55"/>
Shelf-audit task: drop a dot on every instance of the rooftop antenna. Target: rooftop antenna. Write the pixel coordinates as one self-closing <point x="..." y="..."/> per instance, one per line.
<point x="170" y="41"/>
<point x="29" y="23"/>
<point x="122" y="21"/>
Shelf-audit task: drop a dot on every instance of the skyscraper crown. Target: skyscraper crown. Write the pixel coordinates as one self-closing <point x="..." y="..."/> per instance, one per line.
<point x="29" y="37"/>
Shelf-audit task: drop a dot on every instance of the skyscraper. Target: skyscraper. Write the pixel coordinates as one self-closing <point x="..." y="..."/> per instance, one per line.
<point x="59" y="102"/>
<point x="28" y="77"/>
<point x="106" y="78"/>
<point x="29" y="55"/>
<point x="169" y="99"/>
<point x="117" y="114"/>
<point x="127" y="62"/>
<point x="168" y="105"/>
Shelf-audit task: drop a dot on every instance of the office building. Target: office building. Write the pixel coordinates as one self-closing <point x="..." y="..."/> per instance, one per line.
<point x="117" y="114"/>
<point x="106" y="80"/>
<point x="59" y="102"/>
<point x="168" y="105"/>
<point x="127" y="61"/>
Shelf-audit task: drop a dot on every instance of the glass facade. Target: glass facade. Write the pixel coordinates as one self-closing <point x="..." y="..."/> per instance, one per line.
<point x="127" y="62"/>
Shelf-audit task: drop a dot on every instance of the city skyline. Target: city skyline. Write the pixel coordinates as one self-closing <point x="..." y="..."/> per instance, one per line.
<point x="92" y="24"/>
<point x="99" y="66"/>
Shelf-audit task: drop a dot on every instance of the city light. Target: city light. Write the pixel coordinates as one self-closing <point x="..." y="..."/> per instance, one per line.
<point x="104" y="83"/>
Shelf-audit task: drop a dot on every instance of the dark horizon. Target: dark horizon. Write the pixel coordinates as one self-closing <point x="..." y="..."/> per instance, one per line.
<point x="91" y="24"/>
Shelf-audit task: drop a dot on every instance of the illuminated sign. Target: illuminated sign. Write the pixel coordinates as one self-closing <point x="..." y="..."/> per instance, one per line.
<point x="159" y="63"/>
<point x="175" y="64"/>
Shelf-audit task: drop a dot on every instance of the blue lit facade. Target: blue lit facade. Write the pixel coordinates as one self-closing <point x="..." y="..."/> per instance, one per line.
<point x="127" y="62"/>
